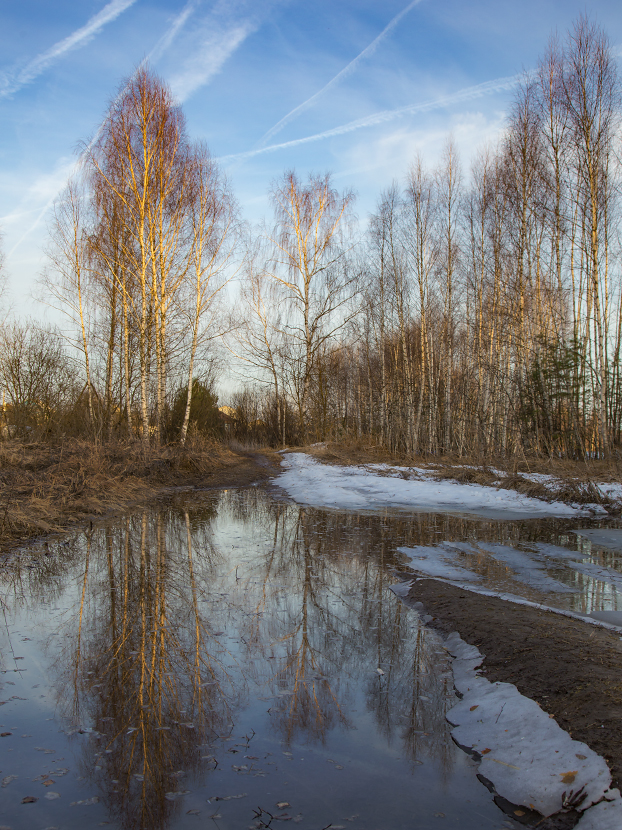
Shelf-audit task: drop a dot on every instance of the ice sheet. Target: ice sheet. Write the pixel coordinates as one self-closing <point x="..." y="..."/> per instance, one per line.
<point x="528" y="569"/>
<point x="598" y="572"/>
<point x="359" y="488"/>
<point x="438" y="562"/>
<point x="603" y="537"/>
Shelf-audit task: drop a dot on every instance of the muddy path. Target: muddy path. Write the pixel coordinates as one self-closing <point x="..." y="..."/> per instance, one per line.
<point x="572" y="669"/>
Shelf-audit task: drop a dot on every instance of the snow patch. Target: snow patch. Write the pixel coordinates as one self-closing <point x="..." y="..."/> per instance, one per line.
<point x="524" y="753"/>
<point x="360" y="488"/>
<point x="604" y="816"/>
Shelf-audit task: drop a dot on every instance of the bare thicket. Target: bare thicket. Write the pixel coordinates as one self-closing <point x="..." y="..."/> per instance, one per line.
<point x="141" y="246"/>
<point x="480" y="316"/>
<point x="491" y="318"/>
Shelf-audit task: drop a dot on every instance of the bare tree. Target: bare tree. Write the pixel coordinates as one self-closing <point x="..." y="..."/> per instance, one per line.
<point x="68" y="253"/>
<point x="309" y="263"/>
<point x="35" y="373"/>
<point x="214" y="226"/>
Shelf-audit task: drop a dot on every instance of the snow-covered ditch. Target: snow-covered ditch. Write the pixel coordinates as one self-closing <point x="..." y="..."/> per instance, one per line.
<point x="379" y="486"/>
<point x="521" y="750"/>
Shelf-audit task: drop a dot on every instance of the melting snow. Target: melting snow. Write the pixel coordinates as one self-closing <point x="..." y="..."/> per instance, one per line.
<point x="445" y="561"/>
<point x="363" y="488"/>
<point x="527" y="756"/>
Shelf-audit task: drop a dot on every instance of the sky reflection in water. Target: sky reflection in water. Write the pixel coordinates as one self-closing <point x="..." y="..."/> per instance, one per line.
<point x="201" y="665"/>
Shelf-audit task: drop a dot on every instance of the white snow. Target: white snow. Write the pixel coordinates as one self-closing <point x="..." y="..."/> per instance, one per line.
<point x="527" y="756"/>
<point x="604" y="816"/>
<point x="363" y="488"/>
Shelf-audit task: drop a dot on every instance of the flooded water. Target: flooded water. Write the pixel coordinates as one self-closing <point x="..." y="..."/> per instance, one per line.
<point x="234" y="661"/>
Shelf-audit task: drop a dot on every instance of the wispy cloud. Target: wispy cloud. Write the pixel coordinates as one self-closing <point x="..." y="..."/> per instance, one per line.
<point x="340" y="76"/>
<point x="215" y="39"/>
<point x="12" y="83"/>
<point x="37" y="198"/>
<point x="177" y="25"/>
<point x="200" y="70"/>
<point x="462" y="96"/>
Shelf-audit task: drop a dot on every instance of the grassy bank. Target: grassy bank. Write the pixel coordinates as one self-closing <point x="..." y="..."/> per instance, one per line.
<point x="48" y="488"/>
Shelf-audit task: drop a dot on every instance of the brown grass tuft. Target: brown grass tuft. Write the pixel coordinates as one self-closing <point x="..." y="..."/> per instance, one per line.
<point x="467" y="475"/>
<point x="47" y="488"/>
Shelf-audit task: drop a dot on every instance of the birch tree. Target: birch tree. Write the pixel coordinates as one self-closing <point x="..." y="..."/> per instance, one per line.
<point x="309" y="263"/>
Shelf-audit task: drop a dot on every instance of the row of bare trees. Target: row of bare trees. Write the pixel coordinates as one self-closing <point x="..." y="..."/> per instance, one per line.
<point x="487" y="317"/>
<point x="480" y="314"/>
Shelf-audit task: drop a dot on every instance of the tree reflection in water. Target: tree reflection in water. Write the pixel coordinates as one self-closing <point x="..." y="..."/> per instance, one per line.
<point x="188" y="615"/>
<point x="325" y="619"/>
<point x="146" y="670"/>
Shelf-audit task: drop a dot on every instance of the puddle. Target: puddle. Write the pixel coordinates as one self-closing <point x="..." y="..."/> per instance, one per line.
<point x="558" y="564"/>
<point x="236" y="658"/>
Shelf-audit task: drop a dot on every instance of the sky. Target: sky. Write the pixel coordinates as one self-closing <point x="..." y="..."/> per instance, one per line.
<point x="356" y="88"/>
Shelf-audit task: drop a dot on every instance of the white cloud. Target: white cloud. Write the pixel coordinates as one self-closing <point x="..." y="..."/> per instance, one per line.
<point x="78" y="38"/>
<point x="340" y="76"/>
<point x="214" y="40"/>
<point x="37" y="199"/>
<point x="462" y="96"/>
<point x="389" y="156"/>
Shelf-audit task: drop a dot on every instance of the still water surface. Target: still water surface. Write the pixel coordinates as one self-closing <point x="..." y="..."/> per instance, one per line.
<point x="215" y="663"/>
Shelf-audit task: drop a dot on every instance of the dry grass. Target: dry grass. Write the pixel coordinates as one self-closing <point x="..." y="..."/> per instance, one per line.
<point x="467" y="475"/>
<point x="352" y="451"/>
<point x="47" y="488"/>
<point x="577" y="480"/>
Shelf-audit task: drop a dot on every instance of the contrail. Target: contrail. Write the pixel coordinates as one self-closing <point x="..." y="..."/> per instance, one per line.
<point x="78" y="38"/>
<point x="216" y="49"/>
<point x="71" y="168"/>
<point x="347" y="70"/>
<point x="466" y="94"/>
<point x="214" y="39"/>
<point x="177" y="24"/>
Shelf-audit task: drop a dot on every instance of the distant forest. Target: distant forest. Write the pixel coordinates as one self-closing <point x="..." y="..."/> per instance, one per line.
<point x="478" y="314"/>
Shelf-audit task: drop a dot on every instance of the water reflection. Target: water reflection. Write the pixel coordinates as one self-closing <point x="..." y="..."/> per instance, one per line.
<point x="176" y="624"/>
<point x="236" y="615"/>
<point x="143" y="666"/>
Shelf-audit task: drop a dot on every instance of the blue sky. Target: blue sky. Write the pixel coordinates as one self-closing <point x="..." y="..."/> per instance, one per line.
<point x="354" y="87"/>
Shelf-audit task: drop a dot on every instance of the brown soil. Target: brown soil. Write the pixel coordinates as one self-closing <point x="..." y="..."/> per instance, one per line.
<point x="571" y="668"/>
<point x="48" y="488"/>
